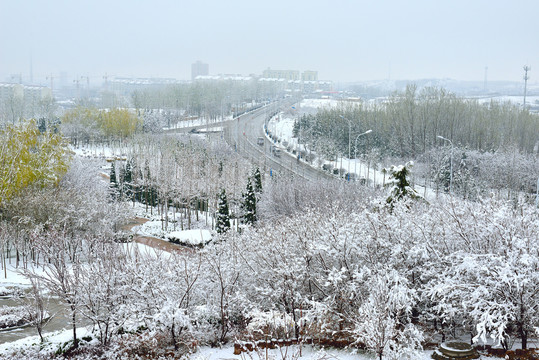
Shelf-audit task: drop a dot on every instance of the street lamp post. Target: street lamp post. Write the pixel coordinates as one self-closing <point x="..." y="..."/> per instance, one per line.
<point x="298" y="147"/>
<point x="451" y="163"/>
<point x="355" y="149"/>
<point x="349" y="143"/>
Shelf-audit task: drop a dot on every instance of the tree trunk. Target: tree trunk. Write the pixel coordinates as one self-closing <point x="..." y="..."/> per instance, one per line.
<point x="74" y="318"/>
<point x="173" y="335"/>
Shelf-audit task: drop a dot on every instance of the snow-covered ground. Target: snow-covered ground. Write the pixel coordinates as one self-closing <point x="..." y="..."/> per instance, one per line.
<point x="177" y="226"/>
<point x="513" y="99"/>
<point x="305" y="352"/>
<point x="293" y="352"/>
<point x="193" y="237"/>
<point x="12" y="277"/>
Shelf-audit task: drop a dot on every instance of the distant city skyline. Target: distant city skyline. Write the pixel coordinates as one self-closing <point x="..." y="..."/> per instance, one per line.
<point x="344" y="41"/>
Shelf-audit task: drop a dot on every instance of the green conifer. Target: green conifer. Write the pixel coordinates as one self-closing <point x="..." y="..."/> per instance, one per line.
<point x="249" y="204"/>
<point x="113" y="181"/>
<point x="257" y="178"/>
<point x="223" y="216"/>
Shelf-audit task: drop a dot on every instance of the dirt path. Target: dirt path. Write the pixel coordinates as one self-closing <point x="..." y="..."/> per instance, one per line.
<point x="154" y="242"/>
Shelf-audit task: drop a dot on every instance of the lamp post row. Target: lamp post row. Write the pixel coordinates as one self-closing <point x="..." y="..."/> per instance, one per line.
<point x="350" y="144"/>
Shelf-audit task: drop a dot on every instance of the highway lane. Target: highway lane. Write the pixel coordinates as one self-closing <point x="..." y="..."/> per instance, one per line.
<point x="242" y="134"/>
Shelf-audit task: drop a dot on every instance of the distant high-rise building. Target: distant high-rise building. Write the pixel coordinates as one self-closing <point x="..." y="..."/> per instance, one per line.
<point x="291" y="75"/>
<point x="199" y="68"/>
<point x="308" y="75"/>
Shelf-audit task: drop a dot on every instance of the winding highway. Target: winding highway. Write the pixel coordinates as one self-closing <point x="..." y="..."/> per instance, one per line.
<point x="242" y="134"/>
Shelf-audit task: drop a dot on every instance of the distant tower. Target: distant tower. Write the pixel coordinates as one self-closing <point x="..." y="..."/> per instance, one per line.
<point x="526" y="77"/>
<point x="199" y="68"/>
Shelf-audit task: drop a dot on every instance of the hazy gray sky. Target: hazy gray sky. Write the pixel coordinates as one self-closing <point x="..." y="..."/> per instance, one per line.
<point x="344" y="40"/>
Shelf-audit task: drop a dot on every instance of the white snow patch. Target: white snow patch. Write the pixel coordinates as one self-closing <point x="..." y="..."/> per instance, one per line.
<point x="194" y="237"/>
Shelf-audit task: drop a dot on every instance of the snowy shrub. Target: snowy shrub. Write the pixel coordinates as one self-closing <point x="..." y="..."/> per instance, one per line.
<point x="383" y="321"/>
<point x="271" y="324"/>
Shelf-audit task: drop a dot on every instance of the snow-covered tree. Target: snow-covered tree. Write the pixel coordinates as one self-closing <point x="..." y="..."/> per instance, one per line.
<point x="499" y="292"/>
<point x="400" y="185"/>
<point x="104" y="292"/>
<point x="35" y="306"/>
<point x="60" y="274"/>
<point x="249" y="204"/>
<point x="113" y="180"/>
<point x="383" y="321"/>
<point x="257" y="180"/>
<point x="127" y="181"/>
<point x="223" y="214"/>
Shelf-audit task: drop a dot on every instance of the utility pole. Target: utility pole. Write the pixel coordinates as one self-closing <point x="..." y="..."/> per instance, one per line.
<point x="526" y="77"/>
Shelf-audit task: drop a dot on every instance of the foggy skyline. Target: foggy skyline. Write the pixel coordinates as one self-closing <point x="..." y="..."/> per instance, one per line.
<point x="342" y="40"/>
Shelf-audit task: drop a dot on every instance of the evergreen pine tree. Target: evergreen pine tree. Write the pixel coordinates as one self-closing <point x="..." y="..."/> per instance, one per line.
<point x="127" y="182"/>
<point x="249" y="204"/>
<point x="42" y="125"/>
<point x="220" y="169"/>
<point x="398" y="177"/>
<point x="113" y="181"/>
<point x="257" y="178"/>
<point x="464" y="182"/>
<point x="223" y="216"/>
<point x="443" y="177"/>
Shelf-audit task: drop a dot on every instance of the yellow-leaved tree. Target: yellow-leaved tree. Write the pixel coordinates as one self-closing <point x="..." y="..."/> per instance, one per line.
<point x="83" y="124"/>
<point x="119" y="122"/>
<point x="28" y="157"/>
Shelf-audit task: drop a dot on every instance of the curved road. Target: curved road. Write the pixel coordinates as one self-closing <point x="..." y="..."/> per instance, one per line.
<point x="242" y="134"/>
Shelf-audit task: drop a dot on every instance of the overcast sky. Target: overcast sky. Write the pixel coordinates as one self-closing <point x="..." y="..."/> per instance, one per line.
<point x="344" y="40"/>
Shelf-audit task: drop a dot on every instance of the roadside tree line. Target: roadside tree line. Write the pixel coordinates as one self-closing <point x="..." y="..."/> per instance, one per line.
<point x="492" y="147"/>
<point x="408" y="124"/>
